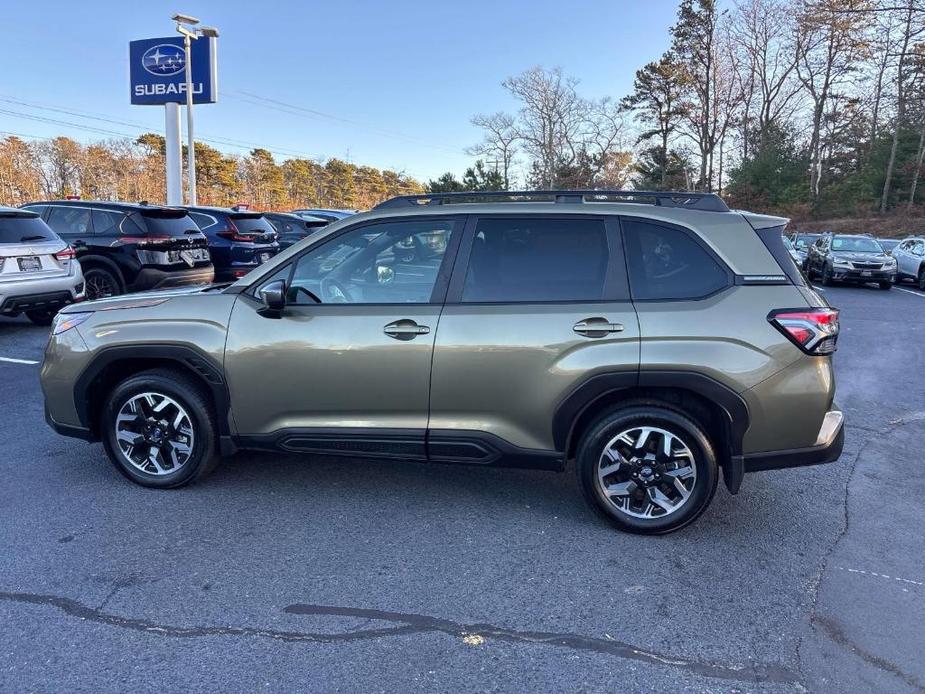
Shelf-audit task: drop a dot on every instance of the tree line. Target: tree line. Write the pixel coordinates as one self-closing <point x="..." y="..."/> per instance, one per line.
<point x="815" y="108"/>
<point x="134" y="170"/>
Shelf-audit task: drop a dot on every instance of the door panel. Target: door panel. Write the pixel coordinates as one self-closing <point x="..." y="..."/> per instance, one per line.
<point x="536" y="305"/>
<point x="328" y="366"/>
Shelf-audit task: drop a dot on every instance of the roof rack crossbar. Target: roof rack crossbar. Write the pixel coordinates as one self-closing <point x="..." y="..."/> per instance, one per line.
<point x="709" y="202"/>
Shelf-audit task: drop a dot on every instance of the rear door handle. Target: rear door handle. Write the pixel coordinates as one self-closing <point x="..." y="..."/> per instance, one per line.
<point x="405" y="329"/>
<point x="596" y="327"/>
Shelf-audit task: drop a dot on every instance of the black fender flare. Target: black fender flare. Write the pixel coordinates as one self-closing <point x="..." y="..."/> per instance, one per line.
<point x="594" y="388"/>
<point x="188" y="357"/>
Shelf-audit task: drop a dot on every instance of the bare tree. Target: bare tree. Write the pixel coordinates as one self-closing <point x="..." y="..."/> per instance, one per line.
<point x="499" y="143"/>
<point x="830" y="42"/>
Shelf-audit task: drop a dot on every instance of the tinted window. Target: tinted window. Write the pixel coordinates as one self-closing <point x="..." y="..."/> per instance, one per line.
<point x="666" y="263"/>
<point x="106" y="222"/>
<point x="524" y="260"/>
<point x="38" y="209"/>
<point x="203" y="221"/>
<point x="168" y="224"/>
<point x="251" y="223"/>
<point x="24" y="229"/>
<point x="69" y="221"/>
<point x="388" y="263"/>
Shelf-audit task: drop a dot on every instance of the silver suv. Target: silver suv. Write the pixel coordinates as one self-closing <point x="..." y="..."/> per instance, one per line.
<point x="38" y="271"/>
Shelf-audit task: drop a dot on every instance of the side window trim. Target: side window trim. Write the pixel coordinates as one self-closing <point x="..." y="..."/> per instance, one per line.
<point x="438" y="294"/>
<point x="696" y="238"/>
<point x="615" y="287"/>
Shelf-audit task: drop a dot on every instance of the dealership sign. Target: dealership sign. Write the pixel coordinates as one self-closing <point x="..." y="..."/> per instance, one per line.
<point x="158" y="71"/>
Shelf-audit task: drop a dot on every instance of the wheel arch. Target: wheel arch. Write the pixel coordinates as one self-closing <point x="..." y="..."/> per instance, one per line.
<point x="716" y="407"/>
<point x="89" y="260"/>
<point x="113" y="364"/>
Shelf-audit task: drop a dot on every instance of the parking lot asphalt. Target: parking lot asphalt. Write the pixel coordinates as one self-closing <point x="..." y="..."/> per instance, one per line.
<point x="286" y="574"/>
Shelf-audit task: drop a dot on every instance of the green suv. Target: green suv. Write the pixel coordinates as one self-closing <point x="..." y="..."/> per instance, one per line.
<point x="655" y="339"/>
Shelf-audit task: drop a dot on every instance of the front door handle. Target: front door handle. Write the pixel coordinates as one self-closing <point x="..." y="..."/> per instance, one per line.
<point x="597" y="327"/>
<point x="405" y="329"/>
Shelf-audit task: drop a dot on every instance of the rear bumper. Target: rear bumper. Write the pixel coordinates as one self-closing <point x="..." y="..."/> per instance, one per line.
<point x="155" y="278"/>
<point x="828" y="448"/>
<point x="41" y="294"/>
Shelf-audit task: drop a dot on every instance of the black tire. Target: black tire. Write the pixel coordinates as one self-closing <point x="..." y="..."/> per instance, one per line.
<point x="41" y="317"/>
<point x="100" y="283"/>
<point x="826" y="276"/>
<point x="649" y="414"/>
<point x="885" y="285"/>
<point x="921" y="279"/>
<point x="188" y="393"/>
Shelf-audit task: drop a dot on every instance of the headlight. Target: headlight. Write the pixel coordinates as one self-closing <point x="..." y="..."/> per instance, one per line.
<point x="66" y="321"/>
<point x="889" y="262"/>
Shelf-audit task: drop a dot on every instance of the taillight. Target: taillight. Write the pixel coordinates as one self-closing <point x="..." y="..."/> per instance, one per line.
<point x="814" y="330"/>
<point x="66" y="254"/>
<point x="233" y="235"/>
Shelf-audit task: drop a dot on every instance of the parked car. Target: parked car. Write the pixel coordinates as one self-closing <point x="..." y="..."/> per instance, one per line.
<point x="801" y="243"/>
<point x="38" y="271"/>
<point x="850" y="258"/>
<point x="655" y="344"/>
<point x="292" y="228"/>
<point x="128" y="247"/>
<point x="239" y="240"/>
<point x="332" y="215"/>
<point x="910" y="261"/>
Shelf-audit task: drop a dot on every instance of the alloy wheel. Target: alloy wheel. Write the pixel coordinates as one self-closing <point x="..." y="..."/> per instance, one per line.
<point x="647" y="472"/>
<point x="99" y="286"/>
<point x="154" y="433"/>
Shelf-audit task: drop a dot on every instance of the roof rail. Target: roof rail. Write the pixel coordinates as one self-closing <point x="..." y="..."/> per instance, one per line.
<point x="708" y="202"/>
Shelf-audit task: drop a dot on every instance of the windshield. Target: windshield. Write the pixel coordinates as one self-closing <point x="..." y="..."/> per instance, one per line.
<point x="24" y="229"/>
<point x="803" y="241"/>
<point x="855" y="244"/>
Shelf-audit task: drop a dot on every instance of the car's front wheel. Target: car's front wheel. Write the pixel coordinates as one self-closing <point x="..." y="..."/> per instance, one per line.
<point x="158" y="428"/>
<point x="647" y="468"/>
<point x="886" y="285"/>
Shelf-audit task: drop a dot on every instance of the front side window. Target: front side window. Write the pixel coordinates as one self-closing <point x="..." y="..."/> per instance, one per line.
<point x="534" y="260"/>
<point x="69" y="221"/>
<point x="667" y="263"/>
<point x="387" y="263"/>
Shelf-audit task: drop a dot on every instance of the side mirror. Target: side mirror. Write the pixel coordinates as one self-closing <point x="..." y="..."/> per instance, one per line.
<point x="274" y="296"/>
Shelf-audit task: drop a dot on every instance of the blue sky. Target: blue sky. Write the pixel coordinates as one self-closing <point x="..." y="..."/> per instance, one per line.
<point x="396" y="81"/>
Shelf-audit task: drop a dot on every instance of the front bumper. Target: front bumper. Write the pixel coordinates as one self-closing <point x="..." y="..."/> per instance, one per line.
<point x="843" y="274"/>
<point x="827" y="449"/>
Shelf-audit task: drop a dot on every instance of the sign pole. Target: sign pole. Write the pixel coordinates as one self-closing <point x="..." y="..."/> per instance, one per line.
<point x="191" y="150"/>
<point x="173" y="158"/>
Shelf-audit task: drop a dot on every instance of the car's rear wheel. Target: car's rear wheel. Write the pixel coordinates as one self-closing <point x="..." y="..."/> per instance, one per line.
<point x="921" y="279"/>
<point x="41" y="317"/>
<point x="100" y="283"/>
<point x="159" y="430"/>
<point x="885" y="285"/>
<point x="647" y="468"/>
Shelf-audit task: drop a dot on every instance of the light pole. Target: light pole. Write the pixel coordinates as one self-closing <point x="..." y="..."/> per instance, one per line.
<point x="186" y="26"/>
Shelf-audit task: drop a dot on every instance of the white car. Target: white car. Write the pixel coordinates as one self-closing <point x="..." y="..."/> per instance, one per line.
<point x="38" y="271"/>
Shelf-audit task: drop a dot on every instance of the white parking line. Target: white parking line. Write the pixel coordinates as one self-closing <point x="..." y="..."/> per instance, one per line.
<point x="10" y="360"/>
<point x="909" y="291"/>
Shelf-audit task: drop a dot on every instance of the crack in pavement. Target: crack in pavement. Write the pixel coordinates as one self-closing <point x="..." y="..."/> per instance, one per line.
<point x="409" y="623"/>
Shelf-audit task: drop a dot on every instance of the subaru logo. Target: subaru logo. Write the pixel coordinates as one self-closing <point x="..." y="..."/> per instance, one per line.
<point x="164" y="60"/>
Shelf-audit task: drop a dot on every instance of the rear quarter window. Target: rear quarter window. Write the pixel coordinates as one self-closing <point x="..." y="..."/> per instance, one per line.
<point x="667" y="263"/>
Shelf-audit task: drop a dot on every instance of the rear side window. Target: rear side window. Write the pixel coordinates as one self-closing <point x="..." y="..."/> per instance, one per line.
<point x="24" y="229"/>
<point x="532" y="260"/>
<point x="204" y="221"/>
<point x="667" y="263"/>
<point x="69" y="221"/>
<point x="106" y="222"/>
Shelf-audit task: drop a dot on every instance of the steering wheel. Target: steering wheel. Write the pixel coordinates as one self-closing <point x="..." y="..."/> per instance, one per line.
<point x="333" y="292"/>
